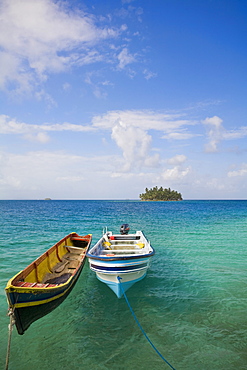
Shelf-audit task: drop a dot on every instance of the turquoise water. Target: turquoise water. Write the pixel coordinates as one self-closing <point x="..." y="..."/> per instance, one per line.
<point x="192" y="304"/>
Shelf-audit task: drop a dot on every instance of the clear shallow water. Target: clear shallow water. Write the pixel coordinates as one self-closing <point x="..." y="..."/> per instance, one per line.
<point x="192" y="304"/>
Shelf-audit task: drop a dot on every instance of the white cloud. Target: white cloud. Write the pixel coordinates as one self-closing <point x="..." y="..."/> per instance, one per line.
<point x="98" y="87"/>
<point x="240" y="172"/>
<point x="9" y="68"/>
<point x="12" y="126"/>
<point x="62" y="175"/>
<point x="215" y="132"/>
<point x="236" y="134"/>
<point x="178" y="172"/>
<point x="179" y="136"/>
<point x="135" y="145"/>
<point x="148" y="74"/>
<point x="145" y="119"/>
<point x="130" y="131"/>
<point x="40" y="137"/>
<point x="41" y="37"/>
<point x="177" y="160"/>
<point x="214" y="122"/>
<point x="175" y="174"/>
<point x="152" y="161"/>
<point x="216" y="184"/>
<point x="125" y="58"/>
<point x="48" y="172"/>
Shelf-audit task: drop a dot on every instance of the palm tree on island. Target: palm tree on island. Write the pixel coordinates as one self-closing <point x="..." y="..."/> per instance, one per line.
<point x="160" y="194"/>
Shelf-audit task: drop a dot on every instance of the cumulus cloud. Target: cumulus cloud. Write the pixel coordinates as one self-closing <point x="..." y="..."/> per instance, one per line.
<point x="135" y="145"/>
<point x="215" y="132"/>
<point x="173" y="125"/>
<point x="174" y="174"/>
<point x="178" y="172"/>
<point x="41" y="37"/>
<point x="130" y="131"/>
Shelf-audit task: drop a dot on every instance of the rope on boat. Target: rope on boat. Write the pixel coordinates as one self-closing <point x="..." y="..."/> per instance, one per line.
<point x="10" y="327"/>
<point x="133" y="314"/>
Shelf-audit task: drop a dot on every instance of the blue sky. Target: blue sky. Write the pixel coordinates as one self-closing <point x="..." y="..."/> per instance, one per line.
<point x="99" y="100"/>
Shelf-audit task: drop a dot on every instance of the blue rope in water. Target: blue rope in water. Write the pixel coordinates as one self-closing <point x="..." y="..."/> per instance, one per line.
<point x="131" y="310"/>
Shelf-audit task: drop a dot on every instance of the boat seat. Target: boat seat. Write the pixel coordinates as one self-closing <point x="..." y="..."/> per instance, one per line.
<point x="123" y="251"/>
<point x="73" y="264"/>
<point x="71" y="257"/>
<point x="73" y="249"/>
<point x="61" y="266"/>
<point x="132" y="247"/>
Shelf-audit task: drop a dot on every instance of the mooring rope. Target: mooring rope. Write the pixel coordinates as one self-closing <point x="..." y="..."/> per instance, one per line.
<point x="10" y="327"/>
<point x="133" y="314"/>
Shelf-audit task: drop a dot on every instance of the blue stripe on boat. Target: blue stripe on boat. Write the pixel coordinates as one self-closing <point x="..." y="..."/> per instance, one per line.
<point x="119" y="268"/>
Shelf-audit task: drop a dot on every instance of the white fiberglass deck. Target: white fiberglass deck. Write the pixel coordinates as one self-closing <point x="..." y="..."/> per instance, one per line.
<point x="119" y="245"/>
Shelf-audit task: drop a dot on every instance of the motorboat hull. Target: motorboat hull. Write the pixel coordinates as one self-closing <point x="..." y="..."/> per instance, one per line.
<point x="125" y="283"/>
<point x="120" y="261"/>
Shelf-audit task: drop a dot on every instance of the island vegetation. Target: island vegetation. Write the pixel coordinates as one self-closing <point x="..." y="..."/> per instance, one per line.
<point x="160" y="194"/>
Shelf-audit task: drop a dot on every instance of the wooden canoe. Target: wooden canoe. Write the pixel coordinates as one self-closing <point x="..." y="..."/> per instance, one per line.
<point x="46" y="282"/>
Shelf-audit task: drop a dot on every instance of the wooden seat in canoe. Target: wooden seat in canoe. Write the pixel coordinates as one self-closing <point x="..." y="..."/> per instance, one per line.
<point x="73" y="264"/>
<point x="61" y="266"/>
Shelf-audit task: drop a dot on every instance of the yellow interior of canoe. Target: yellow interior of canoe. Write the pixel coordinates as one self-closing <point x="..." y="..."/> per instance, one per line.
<point x="46" y="263"/>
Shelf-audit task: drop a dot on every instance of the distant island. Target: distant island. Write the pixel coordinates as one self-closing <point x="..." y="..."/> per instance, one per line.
<point x="160" y="194"/>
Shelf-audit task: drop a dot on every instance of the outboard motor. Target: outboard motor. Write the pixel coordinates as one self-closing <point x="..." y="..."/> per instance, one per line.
<point x="124" y="229"/>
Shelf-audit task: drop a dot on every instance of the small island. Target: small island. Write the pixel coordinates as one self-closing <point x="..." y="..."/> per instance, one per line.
<point x="160" y="194"/>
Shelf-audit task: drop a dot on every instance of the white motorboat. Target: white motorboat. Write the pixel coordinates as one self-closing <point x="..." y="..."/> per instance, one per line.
<point x="121" y="260"/>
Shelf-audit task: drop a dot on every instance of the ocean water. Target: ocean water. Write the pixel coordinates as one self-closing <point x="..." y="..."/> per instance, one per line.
<point x="192" y="303"/>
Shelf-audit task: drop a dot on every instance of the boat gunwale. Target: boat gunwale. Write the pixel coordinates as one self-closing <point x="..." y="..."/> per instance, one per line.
<point x="39" y="289"/>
